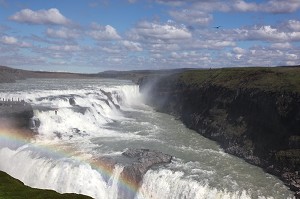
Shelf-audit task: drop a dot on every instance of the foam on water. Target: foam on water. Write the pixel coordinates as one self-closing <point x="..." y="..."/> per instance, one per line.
<point x="94" y="109"/>
<point x="174" y="185"/>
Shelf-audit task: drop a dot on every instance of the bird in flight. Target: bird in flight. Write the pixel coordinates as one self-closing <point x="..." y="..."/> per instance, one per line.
<point x="217" y="27"/>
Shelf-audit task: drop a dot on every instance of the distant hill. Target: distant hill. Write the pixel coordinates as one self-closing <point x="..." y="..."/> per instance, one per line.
<point x="8" y="74"/>
<point x="134" y="75"/>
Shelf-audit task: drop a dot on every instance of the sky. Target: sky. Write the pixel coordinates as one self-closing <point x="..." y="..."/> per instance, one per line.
<point x="96" y="35"/>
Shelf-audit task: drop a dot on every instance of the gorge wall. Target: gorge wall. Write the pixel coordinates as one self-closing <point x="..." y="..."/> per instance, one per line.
<point x="252" y="113"/>
<point x="16" y="117"/>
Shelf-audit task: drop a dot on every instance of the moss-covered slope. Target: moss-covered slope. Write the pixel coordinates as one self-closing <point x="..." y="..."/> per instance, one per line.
<point x="267" y="79"/>
<point x="11" y="188"/>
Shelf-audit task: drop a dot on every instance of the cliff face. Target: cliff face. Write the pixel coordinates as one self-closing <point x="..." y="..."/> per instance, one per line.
<point x="259" y="125"/>
<point x="17" y="114"/>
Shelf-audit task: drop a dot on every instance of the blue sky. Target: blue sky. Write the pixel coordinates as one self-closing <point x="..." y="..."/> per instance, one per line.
<point x="96" y="35"/>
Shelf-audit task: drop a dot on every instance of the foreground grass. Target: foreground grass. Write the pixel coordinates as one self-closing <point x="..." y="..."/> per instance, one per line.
<point x="11" y="188"/>
<point x="269" y="79"/>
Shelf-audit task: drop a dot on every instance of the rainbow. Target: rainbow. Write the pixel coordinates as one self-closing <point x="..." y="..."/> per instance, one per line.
<point x="106" y="170"/>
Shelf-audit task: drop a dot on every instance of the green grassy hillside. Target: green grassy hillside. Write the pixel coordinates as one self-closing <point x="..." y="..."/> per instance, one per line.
<point x="11" y="188"/>
<point x="269" y="79"/>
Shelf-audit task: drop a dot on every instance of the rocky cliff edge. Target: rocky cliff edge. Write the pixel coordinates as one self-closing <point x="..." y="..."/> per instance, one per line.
<point x="253" y="113"/>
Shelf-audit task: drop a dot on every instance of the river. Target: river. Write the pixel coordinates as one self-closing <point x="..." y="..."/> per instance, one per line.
<point x="108" y="118"/>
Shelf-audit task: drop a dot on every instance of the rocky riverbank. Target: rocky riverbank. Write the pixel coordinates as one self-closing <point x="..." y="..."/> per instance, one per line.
<point x="252" y="113"/>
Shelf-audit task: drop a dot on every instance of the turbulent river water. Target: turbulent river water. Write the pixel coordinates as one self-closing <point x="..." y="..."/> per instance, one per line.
<point x="108" y="118"/>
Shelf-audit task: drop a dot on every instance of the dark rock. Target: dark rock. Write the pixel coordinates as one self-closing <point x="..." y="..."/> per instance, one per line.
<point x="109" y="98"/>
<point x="136" y="163"/>
<point x="273" y="170"/>
<point x="141" y="161"/>
<point x="72" y="101"/>
<point x="19" y="113"/>
<point x="295" y="186"/>
<point x="34" y="124"/>
<point x="297" y="195"/>
<point x="37" y="122"/>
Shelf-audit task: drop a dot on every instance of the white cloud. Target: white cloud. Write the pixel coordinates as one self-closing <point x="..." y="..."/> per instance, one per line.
<point x="51" y="16"/>
<point x="155" y="31"/>
<point x="293" y="25"/>
<point x="164" y="44"/>
<point x="261" y="56"/>
<point x="210" y="6"/>
<point x="111" y="49"/>
<point x="65" y="48"/>
<point x="239" y="50"/>
<point x="285" y="45"/>
<point x="103" y="32"/>
<point x="192" y="17"/>
<point x="163" y="47"/>
<point x="133" y="46"/>
<point x="189" y="59"/>
<point x="9" y="40"/>
<point x="244" y="6"/>
<point x="291" y="56"/>
<point x="115" y="59"/>
<point x="208" y="43"/>
<point x="280" y="6"/>
<point x="267" y="33"/>
<point x="25" y="44"/>
<point x="217" y="44"/>
<point x="62" y="33"/>
<point x="171" y="2"/>
<point x="269" y="6"/>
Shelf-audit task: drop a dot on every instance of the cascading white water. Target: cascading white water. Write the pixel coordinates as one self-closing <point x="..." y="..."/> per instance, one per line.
<point x="113" y="182"/>
<point x="93" y="110"/>
<point x="174" y="185"/>
<point x="108" y="117"/>
<point x="64" y="175"/>
<point x="60" y="122"/>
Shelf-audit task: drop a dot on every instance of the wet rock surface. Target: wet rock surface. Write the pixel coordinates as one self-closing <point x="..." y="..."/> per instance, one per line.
<point x="140" y="160"/>
<point x="109" y="99"/>
<point x="135" y="163"/>
<point x="18" y="113"/>
<point x="72" y="101"/>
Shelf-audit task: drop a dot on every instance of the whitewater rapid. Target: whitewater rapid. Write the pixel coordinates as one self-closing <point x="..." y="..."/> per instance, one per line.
<point x="108" y="117"/>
